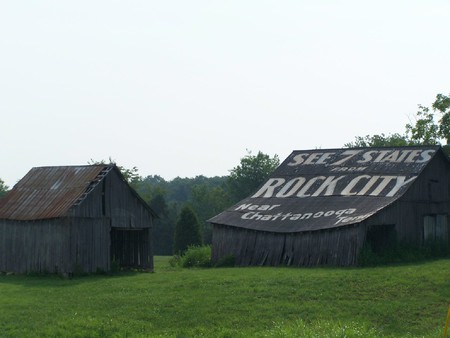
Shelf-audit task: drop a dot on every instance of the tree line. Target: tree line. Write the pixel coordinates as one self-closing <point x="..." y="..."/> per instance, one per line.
<point x="184" y="205"/>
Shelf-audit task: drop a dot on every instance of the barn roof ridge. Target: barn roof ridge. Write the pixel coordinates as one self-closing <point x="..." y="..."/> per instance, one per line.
<point x="430" y="146"/>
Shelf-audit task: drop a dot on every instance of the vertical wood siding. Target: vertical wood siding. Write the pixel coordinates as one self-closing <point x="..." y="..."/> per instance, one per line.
<point x="428" y="195"/>
<point x="338" y="247"/>
<point x="113" y="198"/>
<point x="54" y="246"/>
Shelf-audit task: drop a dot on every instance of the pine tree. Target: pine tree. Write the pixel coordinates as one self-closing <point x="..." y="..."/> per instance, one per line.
<point x="187" y="230"/>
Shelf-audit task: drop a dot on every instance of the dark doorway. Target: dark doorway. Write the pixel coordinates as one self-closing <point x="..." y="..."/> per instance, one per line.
<point x="130" y="247"/>
<point x="381" y="237"/>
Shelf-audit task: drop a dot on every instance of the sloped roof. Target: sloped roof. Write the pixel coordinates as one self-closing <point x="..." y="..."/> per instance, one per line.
<point x="49" y="192"/>
<point x="328" y="188"/>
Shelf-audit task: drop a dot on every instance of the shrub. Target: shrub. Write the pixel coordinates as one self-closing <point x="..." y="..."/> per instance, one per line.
<point x="175" y="261"/>
<point x="197" y="256"/>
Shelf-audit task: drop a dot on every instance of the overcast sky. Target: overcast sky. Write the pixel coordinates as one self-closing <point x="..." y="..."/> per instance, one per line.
<point x="183" y="88"/>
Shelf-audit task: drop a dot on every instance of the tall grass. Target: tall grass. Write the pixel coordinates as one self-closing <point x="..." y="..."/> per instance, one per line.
<point x="391" y="301"/>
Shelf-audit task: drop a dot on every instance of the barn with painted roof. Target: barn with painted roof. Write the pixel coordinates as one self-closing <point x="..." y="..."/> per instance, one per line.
<point x="323" y="206"/>
<point x="74" y="219"/>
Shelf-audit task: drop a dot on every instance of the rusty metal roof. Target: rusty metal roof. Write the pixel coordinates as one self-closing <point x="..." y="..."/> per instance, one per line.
<point x="328" y="188"/>
<point x="48" y="192"/>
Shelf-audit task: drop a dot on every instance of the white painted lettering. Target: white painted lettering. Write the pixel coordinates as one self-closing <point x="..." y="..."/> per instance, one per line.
<point x="303" y="191"/>
<point x="329" y="184"/>
<point x="243" y="206"/>
<point x="341" y="212"/>
<point x="312" y="157"/>
<point x="349" y="154"/>
<point x="286" y="191"/>
<point x="297" y="160"/>
<point x="385" y="181"/>
<point x="403" y="155"/>
<point x="412" y="157"/>
<point x="382" y="153"/>
<point x="323" y="159"/>
<point x="426" y="156"/>
<point x="392" y="158"/>
<point x="401" y="181"/>
<point x="368" y="185"/>
<point x="367" y="156"/>
<point x="347" y="191"/>
<point x="306" y="215"/>
<point x="268" y="188"/>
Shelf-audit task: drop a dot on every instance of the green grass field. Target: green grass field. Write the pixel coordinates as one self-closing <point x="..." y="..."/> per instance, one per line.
<point x="393" y="301"/>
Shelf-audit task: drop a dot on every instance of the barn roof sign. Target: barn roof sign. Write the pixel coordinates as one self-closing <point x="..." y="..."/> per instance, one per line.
<point x="328" y="188"/>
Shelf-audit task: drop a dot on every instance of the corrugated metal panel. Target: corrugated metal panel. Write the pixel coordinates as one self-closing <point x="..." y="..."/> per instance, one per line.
<point x="48" y="192"/>
<point x="329" y="188"/>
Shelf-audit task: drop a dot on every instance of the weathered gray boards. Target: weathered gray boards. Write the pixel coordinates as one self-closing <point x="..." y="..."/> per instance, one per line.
<point x="74" y="219"/>
<point x="322" y="206"/>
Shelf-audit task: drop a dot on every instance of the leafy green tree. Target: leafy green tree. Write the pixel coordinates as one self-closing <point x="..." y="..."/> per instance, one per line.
<point x="252" y="171"/>
<point x="430" y="127"/>
<point x="425" y="130"/>
<point x="131" y="175"/>
<point x="3" y="188"/>
<point x="381" y="140"/>
<point x="442" y="105"/>
<point x="208" y="200"/>
<point x="187" y="230"/>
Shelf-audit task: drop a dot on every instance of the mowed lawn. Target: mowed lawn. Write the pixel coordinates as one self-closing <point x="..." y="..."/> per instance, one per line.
<point x="394" y="301"/>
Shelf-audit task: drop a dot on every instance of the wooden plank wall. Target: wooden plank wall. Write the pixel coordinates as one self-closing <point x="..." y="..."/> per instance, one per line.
<point x="338" y="247"/>
<point x="113" y="198"/>
<point x="89" y="244"/>
<point x="124" y="208"/>
<point x="54" y="246"/>
<point x="33" y="246"/>
<point x="428" y="195"/>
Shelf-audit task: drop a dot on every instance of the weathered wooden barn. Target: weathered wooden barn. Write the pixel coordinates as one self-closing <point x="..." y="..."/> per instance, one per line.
<point x="321" y="207"/>
<point x="73" y="219"/>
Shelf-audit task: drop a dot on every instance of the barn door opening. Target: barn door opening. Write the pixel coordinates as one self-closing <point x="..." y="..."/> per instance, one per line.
<point x="381" y="237"/>
<point x="129" y="247"/>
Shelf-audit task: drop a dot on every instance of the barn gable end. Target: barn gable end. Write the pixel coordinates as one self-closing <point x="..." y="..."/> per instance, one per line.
<point x="321" y="206"/>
